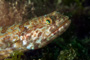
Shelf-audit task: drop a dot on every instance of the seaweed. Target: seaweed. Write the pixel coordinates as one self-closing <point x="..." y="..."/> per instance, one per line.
<point x="16" y="55"/>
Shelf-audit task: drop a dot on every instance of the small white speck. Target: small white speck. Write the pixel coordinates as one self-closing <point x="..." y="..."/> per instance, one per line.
<point x="21" y="37"/>
<point x="52" y="34"/>
<point x="53" y="27"/>
<point x="39" y="41"/>
<point x="27" y="26"/>
<point x="24" y="42"/>
<point x="59" y="29"/>
<point x="14" y="45"/>
<point x="29" y="46"/>
<point x="34" y="38"/>
<point x="44" y="37"/>
<point x="62" y="27"/>
<point x="28" y="34"/>
<point x="14" y="39"/>
<point x="48" y="31"/>
<point x="66" y="24"/>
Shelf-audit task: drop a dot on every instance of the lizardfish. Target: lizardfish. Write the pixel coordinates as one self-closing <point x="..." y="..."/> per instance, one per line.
<point x="33" y="34"/>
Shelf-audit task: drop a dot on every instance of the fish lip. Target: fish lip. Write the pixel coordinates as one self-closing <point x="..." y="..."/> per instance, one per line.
<point x="64" y="25"/>
<point x="57" y="32"/>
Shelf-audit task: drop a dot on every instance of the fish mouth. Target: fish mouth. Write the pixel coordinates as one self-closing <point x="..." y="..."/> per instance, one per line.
<point x="61" y="29"/>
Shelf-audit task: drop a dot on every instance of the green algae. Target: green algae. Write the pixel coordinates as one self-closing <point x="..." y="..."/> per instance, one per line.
<point x="69" y="54"/>
<point x="16" y="55"/>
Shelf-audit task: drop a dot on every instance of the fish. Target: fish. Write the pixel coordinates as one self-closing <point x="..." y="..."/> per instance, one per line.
<point x="32" y="34"/>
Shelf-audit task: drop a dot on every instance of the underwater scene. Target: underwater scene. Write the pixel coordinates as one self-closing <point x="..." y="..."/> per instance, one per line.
<point x="44" y="29"/>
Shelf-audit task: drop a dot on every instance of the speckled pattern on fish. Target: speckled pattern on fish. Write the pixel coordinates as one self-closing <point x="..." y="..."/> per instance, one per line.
<point x="32" y="34"/>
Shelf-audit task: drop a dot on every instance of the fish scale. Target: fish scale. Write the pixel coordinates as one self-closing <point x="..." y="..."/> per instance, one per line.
<point x="33" y="34"/>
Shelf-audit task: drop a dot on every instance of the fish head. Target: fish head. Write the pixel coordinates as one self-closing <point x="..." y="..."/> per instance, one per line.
<point x="46" y="28"/>
<point x="51" y="26"/>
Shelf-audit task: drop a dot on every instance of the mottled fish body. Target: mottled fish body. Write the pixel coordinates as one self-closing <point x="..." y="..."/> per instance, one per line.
<point x="32" y="34"/>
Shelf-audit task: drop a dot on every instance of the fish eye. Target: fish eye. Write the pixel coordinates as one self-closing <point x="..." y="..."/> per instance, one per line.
<point x="48" y="21"/>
